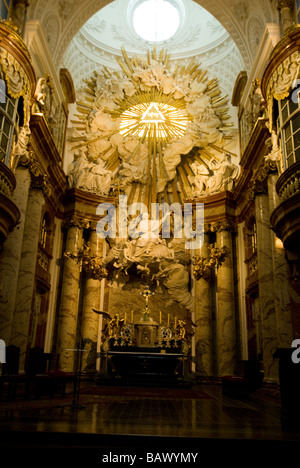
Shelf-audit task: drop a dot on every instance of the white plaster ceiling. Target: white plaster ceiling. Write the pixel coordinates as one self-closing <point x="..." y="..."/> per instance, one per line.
<point x="200" y="36"/>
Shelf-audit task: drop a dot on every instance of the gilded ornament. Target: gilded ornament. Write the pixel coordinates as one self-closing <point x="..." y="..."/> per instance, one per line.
<point x="39" y="179"/>
<point x="140" y="126"/>
<point x="285" y="4"/>
<point x="91" y="263"/>
<point x="202" y="268"/>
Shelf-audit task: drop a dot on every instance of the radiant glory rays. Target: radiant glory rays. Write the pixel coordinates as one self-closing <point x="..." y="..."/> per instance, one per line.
<point x="147" y="124"/>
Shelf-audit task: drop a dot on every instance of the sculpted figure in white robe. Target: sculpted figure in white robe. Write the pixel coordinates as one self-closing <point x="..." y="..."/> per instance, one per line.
<point x="200" y="180"/>
<point x="224" y="174"/>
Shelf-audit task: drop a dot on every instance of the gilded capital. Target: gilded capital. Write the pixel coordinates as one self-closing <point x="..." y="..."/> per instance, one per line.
<point x="224" y="225"/>
<point x="39" y="180"/>
<point x="77" y="221"/>
<point x="259" y="183"/>
<point x="91" y="263"/>
<point x="285" y="4"/>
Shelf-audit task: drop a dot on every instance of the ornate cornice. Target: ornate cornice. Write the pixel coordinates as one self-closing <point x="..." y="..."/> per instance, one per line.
<point x="79" y="222"/>
<point x="222" y="225"/>
<point x="39" y="180"/>
<point x="259" y="183"/>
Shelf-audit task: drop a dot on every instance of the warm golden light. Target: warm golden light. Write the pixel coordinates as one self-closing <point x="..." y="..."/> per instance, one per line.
<point x="142" y="119"/>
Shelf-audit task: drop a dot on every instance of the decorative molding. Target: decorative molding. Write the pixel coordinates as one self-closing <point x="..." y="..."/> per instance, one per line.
<point x="259" y="183"/>
<point x="203" y="269"/>
<point x="288" y="183"/>
<point x="7" y="180"/>
<point x="255" y="33"/>
<point x="285" y="4"/>
<point x="223" y="225"/>
<point x="67" y="85"/>
<point x="282" y="69"/>
<point x="39" y="180"/>
<point x="17" y="68"/>
<point x="239" y="87"/>
<point x="91" y="263"/>
<point x="79" y="222"/>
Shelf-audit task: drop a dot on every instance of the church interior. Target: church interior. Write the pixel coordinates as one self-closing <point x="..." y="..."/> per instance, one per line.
<point x="150" y="226"/>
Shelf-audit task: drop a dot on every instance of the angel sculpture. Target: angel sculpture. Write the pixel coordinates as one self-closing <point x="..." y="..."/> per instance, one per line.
<point x="113" y="326"/>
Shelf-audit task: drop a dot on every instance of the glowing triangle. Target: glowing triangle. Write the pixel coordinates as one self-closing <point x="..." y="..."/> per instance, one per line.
<point x="152" y="114"/>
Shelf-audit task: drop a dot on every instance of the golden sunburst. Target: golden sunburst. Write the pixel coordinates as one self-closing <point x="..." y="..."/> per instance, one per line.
<point x="157" y="110"/>
<point x="143" y="120"/>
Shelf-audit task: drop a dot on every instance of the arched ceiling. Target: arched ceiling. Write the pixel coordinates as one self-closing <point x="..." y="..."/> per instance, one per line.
<point x="244" y="21"/>
<point x="234" y="27"/>
<point x="200" y="36"/>
<point x="235" y="32"/>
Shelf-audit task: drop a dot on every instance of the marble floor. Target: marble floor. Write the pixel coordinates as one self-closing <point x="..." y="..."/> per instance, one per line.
<point x="134" y="420"/>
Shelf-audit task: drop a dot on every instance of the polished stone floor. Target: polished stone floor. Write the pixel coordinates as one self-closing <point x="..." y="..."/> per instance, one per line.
<point x="136" y="420"/>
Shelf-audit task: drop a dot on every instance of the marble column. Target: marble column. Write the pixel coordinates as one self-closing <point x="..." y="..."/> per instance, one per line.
<point x="203" y="316"/>
<point x="26" y="278"/>
<point x="280" y="277"/>
<point x="11" y="255"/>
<point x="66" y="339"/>
<point x="90" y="320"/>
<point x="287" y="17"/>
<point x="226" y="320"/>
<point x="266" y="287"/>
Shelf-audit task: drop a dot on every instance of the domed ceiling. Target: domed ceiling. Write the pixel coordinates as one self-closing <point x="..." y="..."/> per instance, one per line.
<point x="199" y="35"/>
<point x="116" y="73"/>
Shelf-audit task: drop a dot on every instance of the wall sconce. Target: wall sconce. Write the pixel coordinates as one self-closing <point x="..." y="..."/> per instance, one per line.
<point x="203" y="269"/>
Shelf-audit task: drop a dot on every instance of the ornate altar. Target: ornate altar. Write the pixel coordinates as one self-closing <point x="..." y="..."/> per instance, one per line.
<point x="145" y="351"/>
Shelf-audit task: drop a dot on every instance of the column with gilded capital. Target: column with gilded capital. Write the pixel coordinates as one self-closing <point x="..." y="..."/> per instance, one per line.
<point x="286" y="8"/>
<point x="94" y="274"/>
<point x="26" y="279"/>
<point x="226" y="316"/>
<point x="67" y="325"/>
<point x="203" y="317"/>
